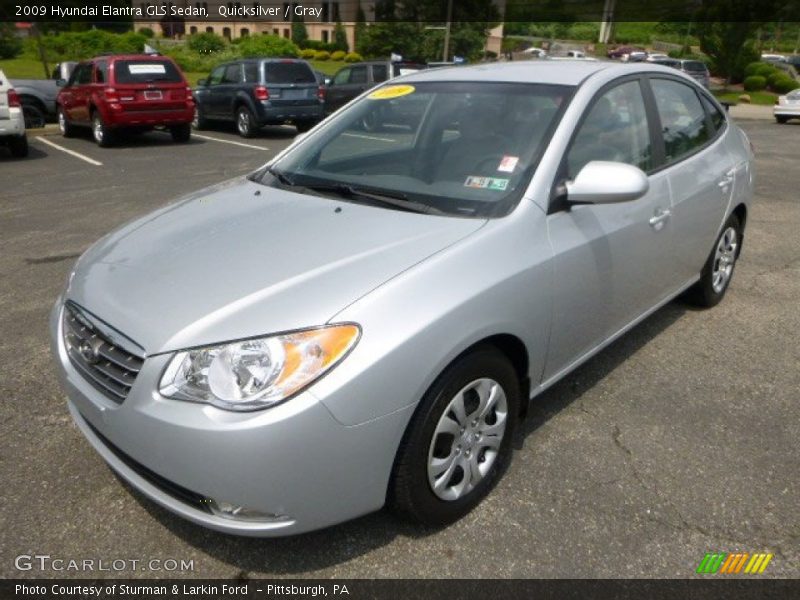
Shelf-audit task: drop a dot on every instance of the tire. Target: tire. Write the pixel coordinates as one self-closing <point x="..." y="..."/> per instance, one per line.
<point x="303" y="126"/>
<point x="199" y="122"/>
<point x="67" y="129"/>
<point x="438" y="442"/>
<point x="245" y="123"/>
<point x="181" y="133"/>
<point x="34" y="115"/>
<point x="18" y="146"/>
<point x="715" y="278"/>
<point x="781" y="119"/>
<point x="100" y="131"/>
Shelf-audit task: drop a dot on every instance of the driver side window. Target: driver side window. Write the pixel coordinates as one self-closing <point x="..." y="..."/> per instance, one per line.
<point x="615" y="129"/>
<point x="342" y="77"/>
<point x="216" y="76"/>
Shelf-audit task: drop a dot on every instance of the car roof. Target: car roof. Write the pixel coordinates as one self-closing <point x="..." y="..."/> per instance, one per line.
<point x="562" y="72"/>
<point x="129" y="57"/>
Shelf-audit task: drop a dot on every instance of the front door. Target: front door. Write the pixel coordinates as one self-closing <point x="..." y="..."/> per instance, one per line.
<point x="609" y="259"/>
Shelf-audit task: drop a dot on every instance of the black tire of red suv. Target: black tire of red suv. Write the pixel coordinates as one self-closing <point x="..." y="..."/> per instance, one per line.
<point x="67" y="129"/>
<point x="181" y="133"/>
<point x="101" y="133"/>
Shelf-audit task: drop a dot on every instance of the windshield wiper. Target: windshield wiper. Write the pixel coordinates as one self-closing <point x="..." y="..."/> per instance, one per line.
<point x="281" y="176"/>
<point x="393" y="199"/>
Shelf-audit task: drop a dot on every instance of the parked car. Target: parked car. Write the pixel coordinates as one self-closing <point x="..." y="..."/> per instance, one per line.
<point x="352" y="80"/>
<point x="697" y="70"/>
<point x="255" y="92"/>
<point x="787" y="106"/>
<point x="794" y="60"/>
<point x="126" y="92"/>
<point x="635" y="56"/>
<point x="38" y="96"/>
<point x="364" y="319"/>
<point x="621" y="51"/>
<point x="666" y="62"/>
<point x="774" y="58"/>
<point x="537" y="52"/>
<point x="12" y="120"/>
<point x="656" y="57"/>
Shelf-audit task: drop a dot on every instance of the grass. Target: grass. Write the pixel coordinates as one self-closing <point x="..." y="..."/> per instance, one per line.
<point x="329" y="67"/>
<point x="763" y="98"/>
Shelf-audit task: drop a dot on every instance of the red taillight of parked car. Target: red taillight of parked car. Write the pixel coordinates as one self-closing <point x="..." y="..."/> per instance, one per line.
<point x="13" y="99"/>
<point x="321" y="92"/>
<point x="111" y="94"/>
<point x="261" y="93"/>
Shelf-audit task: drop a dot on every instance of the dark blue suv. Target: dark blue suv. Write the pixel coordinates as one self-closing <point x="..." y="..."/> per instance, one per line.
<point x="254" y="92"/>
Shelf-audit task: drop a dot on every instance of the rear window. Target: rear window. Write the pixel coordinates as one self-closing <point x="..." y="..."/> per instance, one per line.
<point x="695" y="65"/>
<point x="146" y="71"/>
<point x="289" y="72"/>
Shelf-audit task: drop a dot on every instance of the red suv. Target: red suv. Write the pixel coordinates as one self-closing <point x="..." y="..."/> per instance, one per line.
<point x="112" y="94"/>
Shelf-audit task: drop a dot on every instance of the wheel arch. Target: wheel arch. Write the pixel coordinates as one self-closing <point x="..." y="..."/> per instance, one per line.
<point x="741" y="213"/>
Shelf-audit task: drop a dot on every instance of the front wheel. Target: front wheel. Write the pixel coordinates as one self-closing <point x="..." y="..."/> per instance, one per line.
<point x="181" y="133"/>
<point x="718" y="270"/>
<point x="781" y="119"/>
<point x="459" y="440"/>
<point x="67" y="130"/>
<point x="34" y="116"/>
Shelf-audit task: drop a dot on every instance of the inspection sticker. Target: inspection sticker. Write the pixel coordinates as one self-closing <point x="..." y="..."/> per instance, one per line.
<point x="392" y="91"/>
<point x="488" y="183"/>
<point x="508" y="164"/>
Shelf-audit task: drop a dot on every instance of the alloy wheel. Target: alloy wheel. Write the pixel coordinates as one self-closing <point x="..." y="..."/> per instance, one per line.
<point x="724" y="259"/>
<point x="98" y="130"/>
<point x="62" y="122"/>
<point x="243" y="122"/>
<point x="467" y="439"/>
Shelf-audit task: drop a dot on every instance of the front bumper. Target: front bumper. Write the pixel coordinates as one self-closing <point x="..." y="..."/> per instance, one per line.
<point x="294" y="461"/>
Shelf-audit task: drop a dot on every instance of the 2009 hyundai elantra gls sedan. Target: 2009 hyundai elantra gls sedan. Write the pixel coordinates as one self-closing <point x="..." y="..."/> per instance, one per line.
<point x="363" y="320"/>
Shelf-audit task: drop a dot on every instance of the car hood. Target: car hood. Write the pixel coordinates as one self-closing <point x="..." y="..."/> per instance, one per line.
<point x="239" y="260"/>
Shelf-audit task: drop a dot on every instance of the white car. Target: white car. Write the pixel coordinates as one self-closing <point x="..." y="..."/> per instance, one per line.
<point x="12" y="121"/>
<point x="537" y="52"/>
<point x="788" y="107"/>
<point x="656" y="57"/>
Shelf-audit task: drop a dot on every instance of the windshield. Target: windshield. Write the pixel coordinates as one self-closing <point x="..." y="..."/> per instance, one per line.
<point x="461" y="148"/>
<point x="695" y="66"/>
<point x="289" y="72"/>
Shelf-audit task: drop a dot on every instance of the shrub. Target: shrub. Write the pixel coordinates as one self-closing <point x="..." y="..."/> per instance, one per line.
<point x="751" y="69"/>
<point x="147" y="32"/>
<point x="307" y="53"/>
<point x="352" y="57"/>
<point x="205" y="43"/>
<point x="338" y="55"/>
<point x="765" y="70"/>
<point x="267" y="45"/>
<point x="775" y="77"/>
<point x="784" y="85"/>
<point x="322" y="55"/>
<point x="318" y="45"/>
<point x="79" y="45"/>
<point x="755" y="83"/>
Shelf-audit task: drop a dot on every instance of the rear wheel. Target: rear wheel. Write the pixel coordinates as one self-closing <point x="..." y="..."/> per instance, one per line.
<point x="718" y="270"/>
<point x="18" y="146"/>
<point x="67" y="130"/>
<point x="100" y="131"/>
<point x="459" y="439"/>
<point x="34" y="115"/>
<point x="245" y="123"/>
<point x="181" y="133"/>
<point x="781" y="118"/>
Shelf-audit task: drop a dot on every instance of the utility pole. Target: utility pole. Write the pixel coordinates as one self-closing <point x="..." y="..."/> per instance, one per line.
<point x="607" y="24"/>
<point x="446" y="52"/>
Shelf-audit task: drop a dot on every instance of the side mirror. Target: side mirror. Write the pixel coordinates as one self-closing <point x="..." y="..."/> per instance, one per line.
<point x="202" y="83"/>
<point x="604" y="182"/>
<point x="61" y="82"/>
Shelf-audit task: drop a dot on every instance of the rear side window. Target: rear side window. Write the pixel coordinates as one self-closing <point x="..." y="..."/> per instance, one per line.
<point x="146" y="71"/>
<point x="717" y="118"/>
<point x="615" y="129"/>
<point x="82" y="75"/>
<point x="358" y="75"/>
<point x="683" y="120"/>
<point x="233" y="74"/>
<point x="379" y="73"/>
<point x="101" y="72"/>
<point x="289" y="72"/>
<point x="251" y="73"/>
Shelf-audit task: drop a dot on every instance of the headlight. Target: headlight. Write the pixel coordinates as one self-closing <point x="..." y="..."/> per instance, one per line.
<point x="256" y="373"/>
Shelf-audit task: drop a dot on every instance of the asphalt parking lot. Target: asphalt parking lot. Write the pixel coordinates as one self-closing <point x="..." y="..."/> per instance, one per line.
<point x="679" y="439"/>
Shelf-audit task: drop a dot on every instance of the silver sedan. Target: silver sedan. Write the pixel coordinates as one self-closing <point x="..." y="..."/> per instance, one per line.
<point x="364" y="320"/>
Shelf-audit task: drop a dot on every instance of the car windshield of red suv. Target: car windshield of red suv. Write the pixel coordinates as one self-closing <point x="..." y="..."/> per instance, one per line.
<point x="146" y="71"/>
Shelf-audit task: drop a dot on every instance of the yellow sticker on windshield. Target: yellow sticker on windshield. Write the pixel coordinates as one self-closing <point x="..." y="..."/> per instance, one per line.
<point x="392" y="91"/>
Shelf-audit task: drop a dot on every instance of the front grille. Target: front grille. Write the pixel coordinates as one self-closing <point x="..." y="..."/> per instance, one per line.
<point x="170" y="488"/>
<point x="97" y="354"/>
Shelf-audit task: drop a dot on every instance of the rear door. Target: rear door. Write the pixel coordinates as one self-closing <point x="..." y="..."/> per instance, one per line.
<point x="149" y="85"/>
<point x="207" y="98"/>
<point x="291" y="83"/>
<point x="699" y="168"/>
<point x="75" y="97"/>
<point x="223" y="93"/>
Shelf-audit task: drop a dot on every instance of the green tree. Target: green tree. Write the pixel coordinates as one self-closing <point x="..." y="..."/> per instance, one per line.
<point x="340" y="37"/>
<point x="10" y="44"/>
<point x="299" y="33"/>
<point x="267" y="45"/>
<point x="205" y="43"/>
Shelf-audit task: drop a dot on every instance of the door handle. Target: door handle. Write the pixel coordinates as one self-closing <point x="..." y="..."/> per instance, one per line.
<point x="661" y="215"/>
<point x="726" y="179"/>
